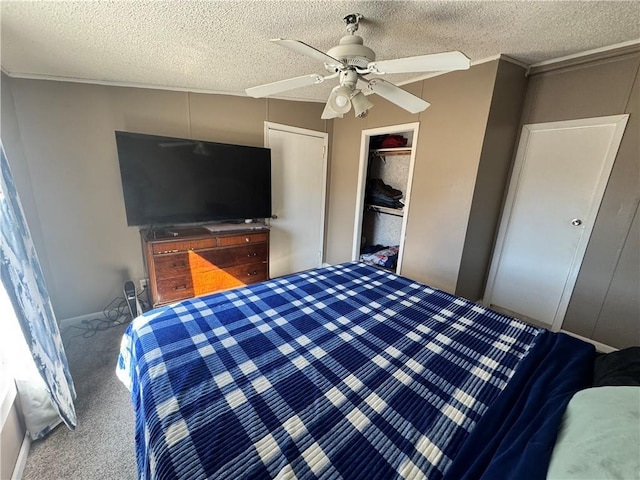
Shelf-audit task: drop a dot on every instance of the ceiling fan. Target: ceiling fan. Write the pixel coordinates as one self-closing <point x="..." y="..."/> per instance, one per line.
<point x="351" y="61"/>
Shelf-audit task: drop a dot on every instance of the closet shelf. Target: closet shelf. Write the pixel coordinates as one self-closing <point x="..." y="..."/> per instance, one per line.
<point x="387" y="210"/>
<point x="392" y="151"/>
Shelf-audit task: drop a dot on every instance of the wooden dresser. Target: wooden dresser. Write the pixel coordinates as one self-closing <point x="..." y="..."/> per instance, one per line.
<point x="187" y="262"/>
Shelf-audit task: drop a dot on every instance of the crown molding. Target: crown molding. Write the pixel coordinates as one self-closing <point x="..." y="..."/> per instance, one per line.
<point x="594" y="55"/>
<point x="610" y="51"/>
<point x="110" y="83"/>
<point x="515" y="61"/>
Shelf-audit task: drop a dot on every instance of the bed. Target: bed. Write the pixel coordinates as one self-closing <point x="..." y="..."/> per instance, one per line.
<point x="347" y="371"/>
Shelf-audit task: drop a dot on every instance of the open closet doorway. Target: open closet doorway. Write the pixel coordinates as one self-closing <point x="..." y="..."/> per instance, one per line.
<point x="387" y="157"/>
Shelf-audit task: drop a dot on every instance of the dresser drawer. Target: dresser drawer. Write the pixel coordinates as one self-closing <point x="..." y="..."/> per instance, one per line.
<point x="242" y="239"/>
<point x="174" y="288"/>
<point x="185" y="286"/>
<point x="247" y="274"/>
<point x="222" y="279"/>
<point x="238" y="255"/>
<point x="196" y="262"/>
<point x="183" y="245"/>
<point x="172" y="265"/>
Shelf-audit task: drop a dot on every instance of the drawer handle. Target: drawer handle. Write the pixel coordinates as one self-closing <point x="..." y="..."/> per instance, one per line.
<point x="251" y="274"/>
<point x="170" y="251"/>
<point x="180" y="287"/>
<point x="178" y="265"/>
<point x="254" y="254"/>
<point x="247" y="239"/>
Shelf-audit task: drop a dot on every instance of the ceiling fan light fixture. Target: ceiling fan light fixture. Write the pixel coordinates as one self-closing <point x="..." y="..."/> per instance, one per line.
<point x="351" y="61"/>
<point x="328" y="113"/>
<point x="361" y="105"/>
<point x="340" y="99"/>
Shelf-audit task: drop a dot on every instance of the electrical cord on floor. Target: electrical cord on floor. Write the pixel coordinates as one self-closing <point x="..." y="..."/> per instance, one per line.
<point x="115" y="314"/>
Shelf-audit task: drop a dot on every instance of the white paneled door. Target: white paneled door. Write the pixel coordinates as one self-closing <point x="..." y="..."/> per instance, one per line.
<point x="299" y="172"/>
<point x="559" y="176"/>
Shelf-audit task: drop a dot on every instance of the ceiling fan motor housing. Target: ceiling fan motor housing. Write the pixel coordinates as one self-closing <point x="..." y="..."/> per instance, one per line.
<point x="352" y="52"/>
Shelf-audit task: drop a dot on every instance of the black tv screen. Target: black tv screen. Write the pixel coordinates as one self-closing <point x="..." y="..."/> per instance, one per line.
<point x="169" y="181"/>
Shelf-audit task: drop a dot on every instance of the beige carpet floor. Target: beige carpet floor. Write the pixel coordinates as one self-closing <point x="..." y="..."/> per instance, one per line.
<point x="102" y="446"/>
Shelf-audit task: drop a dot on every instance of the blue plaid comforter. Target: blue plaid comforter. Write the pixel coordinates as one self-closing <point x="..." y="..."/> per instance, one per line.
<point x="341" y="372"/>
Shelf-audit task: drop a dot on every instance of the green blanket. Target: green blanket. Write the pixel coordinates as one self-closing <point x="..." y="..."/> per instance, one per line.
<point x="600" y="436"/>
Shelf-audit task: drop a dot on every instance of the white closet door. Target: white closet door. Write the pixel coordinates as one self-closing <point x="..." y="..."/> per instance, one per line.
<point x="299" y="171"/>
<point x="559" y="177"/>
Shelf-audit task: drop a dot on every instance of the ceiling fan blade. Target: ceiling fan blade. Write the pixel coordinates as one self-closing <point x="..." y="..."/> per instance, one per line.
<point x="284" y="85"/>
<point x="328" y="113"/>
<point x="396" y="95"/>
<point x="304" y="49"/>
<point x="423" y="63"/>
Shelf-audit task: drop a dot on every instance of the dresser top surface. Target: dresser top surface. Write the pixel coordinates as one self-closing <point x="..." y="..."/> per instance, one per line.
<point x="190" y="233"/>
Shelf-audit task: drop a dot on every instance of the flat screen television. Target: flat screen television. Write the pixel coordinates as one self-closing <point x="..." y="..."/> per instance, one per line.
<point x="172" y="181"/>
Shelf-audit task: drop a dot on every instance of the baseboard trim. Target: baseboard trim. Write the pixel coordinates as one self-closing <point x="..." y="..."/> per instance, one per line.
<point x="600" y="347"/>
<point x="77" y="321"/>
<point x="21" y="461"/>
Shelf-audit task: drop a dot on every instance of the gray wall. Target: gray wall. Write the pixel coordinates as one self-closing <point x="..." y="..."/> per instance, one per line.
<point x="448" y="154"/>
<point x="605" y="302"/>
<point x="12" y="143"/>
<point x="60" y="144"/>
<point x="491" y="181"/>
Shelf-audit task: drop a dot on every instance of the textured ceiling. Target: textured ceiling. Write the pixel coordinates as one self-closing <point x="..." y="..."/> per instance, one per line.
<point x="223" y="46"/>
